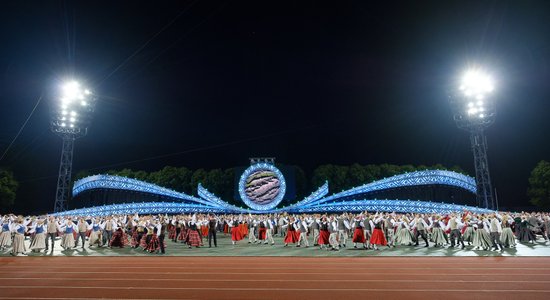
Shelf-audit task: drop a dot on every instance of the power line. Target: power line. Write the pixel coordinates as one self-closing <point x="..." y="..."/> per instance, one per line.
<point x="22" y="127"/>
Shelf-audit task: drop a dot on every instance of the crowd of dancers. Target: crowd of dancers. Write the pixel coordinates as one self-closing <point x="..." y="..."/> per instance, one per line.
<point x="375" y="231"/>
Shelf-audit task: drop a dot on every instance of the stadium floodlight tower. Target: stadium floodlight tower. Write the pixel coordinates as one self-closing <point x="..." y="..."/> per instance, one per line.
<point x="474" y="110"/>
<point x="71" y="117"/>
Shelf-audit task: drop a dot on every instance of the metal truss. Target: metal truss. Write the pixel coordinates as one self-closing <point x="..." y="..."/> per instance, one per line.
<point x="350" y="200"/>
<point x="65" y="169"/>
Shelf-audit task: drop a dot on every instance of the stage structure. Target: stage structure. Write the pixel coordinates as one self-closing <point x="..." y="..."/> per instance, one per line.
<point x="262" y="187"/>
<point x="474" y="110"/>
<point x="71" y="117"/>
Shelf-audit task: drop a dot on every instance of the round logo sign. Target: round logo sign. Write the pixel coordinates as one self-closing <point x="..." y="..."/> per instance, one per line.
<point x="262" y="186"/>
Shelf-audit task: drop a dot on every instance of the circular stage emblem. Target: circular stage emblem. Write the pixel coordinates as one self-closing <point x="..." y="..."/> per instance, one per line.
<point x="262" y="186"/>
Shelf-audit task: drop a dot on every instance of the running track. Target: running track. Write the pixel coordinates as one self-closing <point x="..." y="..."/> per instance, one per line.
<point x="278" y="278"/>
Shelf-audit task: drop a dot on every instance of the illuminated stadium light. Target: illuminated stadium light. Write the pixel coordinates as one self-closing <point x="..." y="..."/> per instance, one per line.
<point x="72" y="100"/>
<point x="474" y="110"/>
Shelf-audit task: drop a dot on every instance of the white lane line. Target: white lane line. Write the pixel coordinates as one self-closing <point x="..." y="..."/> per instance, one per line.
<point x="279" y="280"/>
<point x="274" y="289"/>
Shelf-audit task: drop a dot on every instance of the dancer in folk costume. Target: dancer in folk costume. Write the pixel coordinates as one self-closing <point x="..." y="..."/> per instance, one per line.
<point x="526" y="233"/>
<point x="420" y="226"/>
<point x="5" y="235"/>
<point x="82" y="227"/>
<point x="507" y="237"/>
<point x="52" y="230"/>
<point x="468" y="229"/>
<point x="270" y="229"/>
<point x="292" y="235"/>
<point x="455" y="225"/>
<point x="482" y="239"/>
<point x="19" y="229"/>
<point x="252" y="224"/>
<point x="194" y="239"/>
<point x="367" y="229"/>
<point x="404" y="235"/>
<point x="302" y="230"/>
<point x="438" y="234"/>
<point x="495" y="230"/>
<point x="333" y="237"/>
<point x="119" y="238"/>
<point x="212" y="228"/>
<point x="262" y="230"/>
<point x="154" y="243"/>
<point x="236" y="234"/>
<point x="95" y="234"/>
<point x="68" y="229"/>
<point x="39" y="241"/>
<point x="389" y="229"/>
<point x="377" y="237"/>
<point x="324" y="233"/>
<point x="314" y="225"/>
<point x="358" y="232"/>
<point x="343" y="229"/>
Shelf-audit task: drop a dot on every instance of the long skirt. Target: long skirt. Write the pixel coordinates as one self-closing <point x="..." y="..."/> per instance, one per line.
<point x="118" y="239"/>
<point x="172" y="232"/>
<point x="236" y="234"/>
<point x="378" y="237"/>
<point x="95" y="238"/>
<point x="526" y="235"/>
<point x="67" y="241"/>
<point x="404" y="237"/>
<point x="19" y="244"/>
<point x="39" y="242"/>
<point x="194" y="238"/>
<point x="438" y="236"/>
<point x="5" y="239"/>
<point x="261" y="233"/>
<point x="324" y="236"/>
<point x="482" y="239"/>
<point x="244" y="229"/>
<point x="292" y="237"/>
<point x="154" y="244"/>
<point x="183" y="235"/>
<point x="204" y="231"/>
<point x="507" y="237"/>
<point x="358" y="236"/>
<point x="468" y="235"/>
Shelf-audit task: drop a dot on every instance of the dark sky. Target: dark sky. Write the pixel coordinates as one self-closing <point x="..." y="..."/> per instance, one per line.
<point x="305" y="81"/>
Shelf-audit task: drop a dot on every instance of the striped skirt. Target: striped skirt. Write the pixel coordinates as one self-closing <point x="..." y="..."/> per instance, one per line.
<point x="19" y="244"/>
<point x="39" y="242"/>
<point x="5" y="239"/>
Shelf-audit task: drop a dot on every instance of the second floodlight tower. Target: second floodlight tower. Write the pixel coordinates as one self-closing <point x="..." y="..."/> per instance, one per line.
<point x="474" y="110"/>
<point x="72" y="110"/>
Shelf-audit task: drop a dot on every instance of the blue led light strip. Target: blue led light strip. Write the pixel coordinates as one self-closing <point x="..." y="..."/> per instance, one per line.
<point x="419" y="178"/>
<point x="130" y="184"/>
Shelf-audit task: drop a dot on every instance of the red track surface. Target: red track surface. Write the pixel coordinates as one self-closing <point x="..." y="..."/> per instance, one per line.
<point x="279" y="278"/>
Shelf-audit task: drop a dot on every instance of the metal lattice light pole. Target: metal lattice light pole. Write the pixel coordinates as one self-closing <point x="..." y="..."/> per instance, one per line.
<point x="474" y="110"/>
<point x="71" y="118"/>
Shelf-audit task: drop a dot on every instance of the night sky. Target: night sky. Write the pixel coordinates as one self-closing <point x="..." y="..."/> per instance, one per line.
<point x="207" y="84"/>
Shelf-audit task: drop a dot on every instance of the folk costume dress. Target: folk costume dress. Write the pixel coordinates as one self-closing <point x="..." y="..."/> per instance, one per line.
<point x="358" y="233"/>
<point x="378" y="237"/>
<point x="19" y="238"/>
<point x="69" y="229"/>
<point x="39" y="241"/>
<point x="292" y="234"/>
<point x="5" y="235"/>
<point x="324" y="234"/>
<point x="236" y="233"/>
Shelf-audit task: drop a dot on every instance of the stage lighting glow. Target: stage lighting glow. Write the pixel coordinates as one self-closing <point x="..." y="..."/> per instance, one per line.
<point x="476" y="82"/>
<point x="87" y="92"/>
<point x="73" y="113"/>
<point x="71" y="90"/>
<point x="63" y="124"/>
<point x="64" y="112"/>
<point x="72" y="119"/>
<point x="83" y="103"/>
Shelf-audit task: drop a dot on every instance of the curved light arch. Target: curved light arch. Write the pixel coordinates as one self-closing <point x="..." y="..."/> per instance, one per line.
<point x="349" y="200"/>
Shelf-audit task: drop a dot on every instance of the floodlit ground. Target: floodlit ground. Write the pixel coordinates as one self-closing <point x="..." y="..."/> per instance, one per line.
<point x="225" y="248"/>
